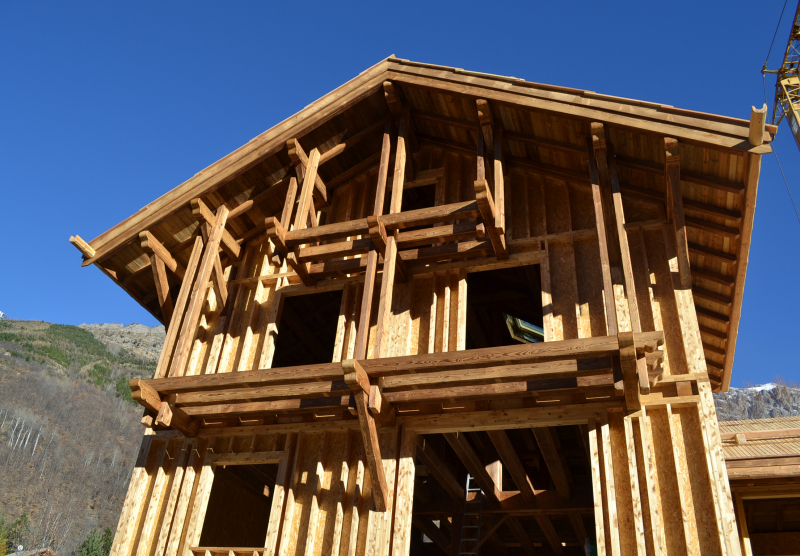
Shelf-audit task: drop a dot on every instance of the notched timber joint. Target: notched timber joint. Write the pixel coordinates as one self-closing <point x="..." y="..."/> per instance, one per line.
<point x="358" y="381"/>
<point x="489" y="216"/>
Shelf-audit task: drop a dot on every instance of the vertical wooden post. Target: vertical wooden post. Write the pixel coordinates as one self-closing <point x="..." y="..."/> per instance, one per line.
<point x="178" y="310"/>
<point x="390" y="256"/>
<point x="199" y="292"/>
<point x="674" y="203"/>
<point x="404" y="497"/>
<point x="744" y="534"/>
<point x="602" y="241"/>
<point x="362" y="333"/>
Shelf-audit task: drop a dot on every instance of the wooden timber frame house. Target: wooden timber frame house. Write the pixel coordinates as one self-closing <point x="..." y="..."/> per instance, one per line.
<point x="444" y="312"/>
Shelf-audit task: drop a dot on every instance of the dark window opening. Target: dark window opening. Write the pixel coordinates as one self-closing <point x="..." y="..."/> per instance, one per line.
<point x="307" y="329"/>
<point x="239" y="505"/>
<point x="504" y="307"/>
<point x="434" y="532"/>
<point x="418" y="197"/>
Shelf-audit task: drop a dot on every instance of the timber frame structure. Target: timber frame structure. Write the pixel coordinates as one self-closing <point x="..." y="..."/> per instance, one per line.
<point x="627" y="222"/>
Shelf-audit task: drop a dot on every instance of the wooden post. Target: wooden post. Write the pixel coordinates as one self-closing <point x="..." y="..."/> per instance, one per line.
<point x="404" y="496"/>
<point x="199" y="292"/>
<point x="358" y="381"/>
<point x="183" y="297"/>
<point x="362" y="333"/>
<point x="674" y="203"/>
<point x="390" y="257"/>
<point x="602" y="242"/>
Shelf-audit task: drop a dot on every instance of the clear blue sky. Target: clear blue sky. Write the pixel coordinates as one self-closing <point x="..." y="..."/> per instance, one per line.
<point x="107" y="105"/>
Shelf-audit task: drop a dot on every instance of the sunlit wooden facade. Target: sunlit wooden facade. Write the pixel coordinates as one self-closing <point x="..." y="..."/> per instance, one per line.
<point x="432" y="274"/>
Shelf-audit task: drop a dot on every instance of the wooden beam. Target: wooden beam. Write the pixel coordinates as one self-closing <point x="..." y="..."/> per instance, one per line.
<point x="162" y="288"/>
<point x="544" y="438"/>
<point x="488" y="213"/>
<point x="434" y="533"/>
<point x="463" y="449"/>
<point x="199" y="291"/>
<point x="499" y="182"/>
<point x="358" y="381"/>
<point x="674" y="203"/>
<point x="145" y="395"/>
<point x="512" y="463"/>
<point x="440" y="471"/>
<point x="180" y="303"/>
<point x="305" y="202"/>
<point x="299" y="157"/>
<point x="630" y="378"/>
<point x="350" y="142"/>
<point x="203" y="213"/>
<point x="390" y="255"/>
<point x="362" y="332"/>
<point x="599" y="217"/>
<point x="288" y="206"/>
<point x="150" y="244"/>
<point x="86" y="250"/>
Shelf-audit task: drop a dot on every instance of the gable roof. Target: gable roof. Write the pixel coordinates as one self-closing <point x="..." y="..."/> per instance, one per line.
<point x="546" y="127"/>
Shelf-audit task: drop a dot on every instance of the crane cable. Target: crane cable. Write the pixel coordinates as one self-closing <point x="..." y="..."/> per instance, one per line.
<point x="764" y="79"/>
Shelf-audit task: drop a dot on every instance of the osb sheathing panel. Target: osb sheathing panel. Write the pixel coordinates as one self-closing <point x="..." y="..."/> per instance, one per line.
<point x="620" y="455"/>
<point x="670" y="507"/>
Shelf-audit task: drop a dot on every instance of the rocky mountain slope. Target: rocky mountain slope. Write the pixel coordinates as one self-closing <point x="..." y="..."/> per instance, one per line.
<point x="69" y="430"/>
<point x="775" y="399"/>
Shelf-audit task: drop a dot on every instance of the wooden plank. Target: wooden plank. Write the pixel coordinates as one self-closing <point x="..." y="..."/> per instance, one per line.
<point x="246" y="458"/>
<point x="608" y="473"/>
<point x="199" y="290"/>
<point x="597" y="489"/>
<point x="358" y="381"/>
<point x="439" y="469"/>
<point x="404" y="494"/>
<point x="468" y="85"/>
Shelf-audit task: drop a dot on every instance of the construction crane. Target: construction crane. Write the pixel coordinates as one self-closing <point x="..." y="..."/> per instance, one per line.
<point x="787" y="88"/>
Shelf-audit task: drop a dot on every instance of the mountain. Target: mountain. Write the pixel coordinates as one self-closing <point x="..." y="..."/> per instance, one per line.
<point x="69" y="430"/>
<point x="775" y="399"/>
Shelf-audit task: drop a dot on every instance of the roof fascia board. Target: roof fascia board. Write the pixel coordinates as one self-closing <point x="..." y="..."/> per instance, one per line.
<point x="225" y="169"/>
<point x="574" y="103"/>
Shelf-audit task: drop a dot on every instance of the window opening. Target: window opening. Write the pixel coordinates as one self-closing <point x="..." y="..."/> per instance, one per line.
<point x="239" y="505"/>
<point x="419" y="197"/>
<point x="307" y="329"/>
<point x="504" y="307"/>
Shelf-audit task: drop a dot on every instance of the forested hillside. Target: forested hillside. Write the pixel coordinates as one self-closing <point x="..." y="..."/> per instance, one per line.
<point x="69" y="430"/>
